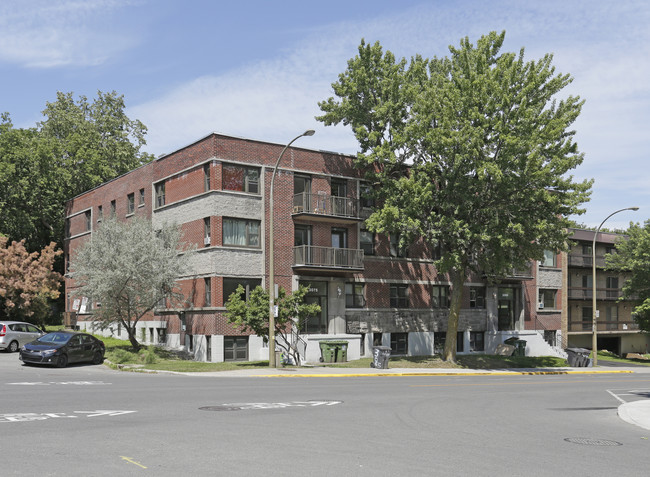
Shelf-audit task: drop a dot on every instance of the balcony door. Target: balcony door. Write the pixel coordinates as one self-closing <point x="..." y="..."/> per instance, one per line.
<point x="506" y="308"/>
<point x="339" y="244"/>
<point x="339" y="197"/>
<point x="302" y="244"/>
<point x="301" y="193"/>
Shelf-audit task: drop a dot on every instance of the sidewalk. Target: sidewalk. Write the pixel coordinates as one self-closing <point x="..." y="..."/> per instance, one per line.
<point x="331" y="372"/>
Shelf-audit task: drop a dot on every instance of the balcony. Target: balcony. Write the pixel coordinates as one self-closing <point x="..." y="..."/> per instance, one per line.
<point x="586" y="261"/>
<point x="326" y="208"/>
<point x="309" y="257"/>
<point x="582" y="293"/>
<point x="603" y="326"/>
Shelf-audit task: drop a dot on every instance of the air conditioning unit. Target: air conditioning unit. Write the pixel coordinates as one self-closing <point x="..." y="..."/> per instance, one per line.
<point x="206" y="241"/>
<point x="541" y="306"/>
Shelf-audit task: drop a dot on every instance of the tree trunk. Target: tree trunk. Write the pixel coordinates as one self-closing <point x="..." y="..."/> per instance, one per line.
<point x="456" y="299"/>
<point x="132" y="338"/>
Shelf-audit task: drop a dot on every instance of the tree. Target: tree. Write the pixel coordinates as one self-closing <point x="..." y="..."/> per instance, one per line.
<point x="27" y="281"/>
<point x="77" y="146"/>
<point x="128" y="268"/>
<point x="468" y="152"/>
<point x="633" y="257"/>
<point x="253" y="314"/>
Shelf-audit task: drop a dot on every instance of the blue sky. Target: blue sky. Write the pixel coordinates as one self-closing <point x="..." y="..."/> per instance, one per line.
<point x="258" y="68"/>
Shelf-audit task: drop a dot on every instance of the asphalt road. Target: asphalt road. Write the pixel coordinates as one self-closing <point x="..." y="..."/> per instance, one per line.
<point x="91" y="421"/>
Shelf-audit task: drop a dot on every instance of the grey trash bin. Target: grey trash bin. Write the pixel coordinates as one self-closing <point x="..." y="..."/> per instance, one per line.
<point x="380" y="357"/>
<point x="579" y="357"/>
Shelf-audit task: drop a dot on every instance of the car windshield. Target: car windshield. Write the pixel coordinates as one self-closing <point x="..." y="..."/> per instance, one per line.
<point x="55" y="338"/>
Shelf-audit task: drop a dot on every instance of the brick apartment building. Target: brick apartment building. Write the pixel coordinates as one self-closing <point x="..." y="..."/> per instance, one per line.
<point x="370" y="291"/>
<point x="616" y="329"/>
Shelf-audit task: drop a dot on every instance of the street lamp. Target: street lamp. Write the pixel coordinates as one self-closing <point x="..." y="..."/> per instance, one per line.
<point x="309" y="132"/>
<point x="594" y="311"/>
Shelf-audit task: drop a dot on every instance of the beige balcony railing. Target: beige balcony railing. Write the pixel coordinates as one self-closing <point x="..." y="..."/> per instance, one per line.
<point x="329" y="205"/>
<point x="310" y="256"/>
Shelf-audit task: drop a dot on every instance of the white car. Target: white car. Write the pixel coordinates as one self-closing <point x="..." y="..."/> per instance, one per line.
<point x="14" y="334"/>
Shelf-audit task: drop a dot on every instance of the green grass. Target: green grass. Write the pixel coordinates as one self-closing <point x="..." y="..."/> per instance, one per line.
<point x="478" y="361"/>
<point x="608" y="356"/>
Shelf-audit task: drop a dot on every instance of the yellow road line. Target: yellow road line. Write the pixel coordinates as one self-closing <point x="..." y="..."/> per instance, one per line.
<point x="131" y="461"/>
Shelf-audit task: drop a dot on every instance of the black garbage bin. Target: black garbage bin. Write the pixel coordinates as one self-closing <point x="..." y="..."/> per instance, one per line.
<point x="380" y="356"/>
<point x="579" y="357"/>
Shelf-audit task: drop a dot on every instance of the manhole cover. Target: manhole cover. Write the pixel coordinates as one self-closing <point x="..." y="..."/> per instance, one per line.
<point x="592" y="442"/>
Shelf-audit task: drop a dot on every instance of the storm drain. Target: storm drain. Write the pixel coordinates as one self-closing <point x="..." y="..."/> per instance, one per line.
<point x="586" y="441"/>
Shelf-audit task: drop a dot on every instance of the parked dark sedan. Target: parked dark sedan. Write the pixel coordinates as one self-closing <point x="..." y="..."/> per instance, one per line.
<point x="60" y="348"/>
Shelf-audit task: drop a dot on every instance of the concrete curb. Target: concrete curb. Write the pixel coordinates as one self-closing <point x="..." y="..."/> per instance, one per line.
<point x="636" y="412"/>
<point x="433" y="373"/>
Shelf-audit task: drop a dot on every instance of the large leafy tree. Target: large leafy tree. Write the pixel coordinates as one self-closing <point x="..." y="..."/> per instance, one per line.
<point x="129" y="268"/>
<point x="252" y="314"/>
<point x="78" y="145"/>
<point x="470" y="152"/>
<point x="27" y="281"/>
<point x="632" y="257"/>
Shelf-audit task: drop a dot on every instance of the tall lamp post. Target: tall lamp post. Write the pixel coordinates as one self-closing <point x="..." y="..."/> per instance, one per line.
<point x="594" y="311"/>
<point x="309" y="132"/>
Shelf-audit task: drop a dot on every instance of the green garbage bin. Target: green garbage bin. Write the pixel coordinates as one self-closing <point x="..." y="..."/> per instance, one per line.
<point x="328" y="352"/>
<point x="334" y="351"/>
<point x="520" y="346"/>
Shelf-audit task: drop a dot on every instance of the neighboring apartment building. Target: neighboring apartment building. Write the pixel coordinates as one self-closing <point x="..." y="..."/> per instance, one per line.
<point x="370" y="291"/>
<point x="616" y="329"/>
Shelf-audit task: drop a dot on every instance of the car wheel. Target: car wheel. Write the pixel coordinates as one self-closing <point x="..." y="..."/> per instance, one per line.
<point x="13" y="346"/>
<point x="62" y="362"/>
<point x="98" y="358"/>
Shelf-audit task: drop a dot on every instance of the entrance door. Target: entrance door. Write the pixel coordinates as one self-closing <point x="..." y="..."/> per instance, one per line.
<point x="317" y="294"/>
<point x="506" y="309"/>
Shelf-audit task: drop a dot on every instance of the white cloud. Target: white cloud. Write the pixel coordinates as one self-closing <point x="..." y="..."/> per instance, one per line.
<point x="603" y="45"/>
<point x="46" y="34"/>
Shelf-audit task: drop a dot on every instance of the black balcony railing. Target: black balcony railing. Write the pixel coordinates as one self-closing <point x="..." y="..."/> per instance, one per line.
<point x="586" y="260"/>
<point x="582" y="293"/>
<point x="328" y="205"/>
<point x="310" y="256"/>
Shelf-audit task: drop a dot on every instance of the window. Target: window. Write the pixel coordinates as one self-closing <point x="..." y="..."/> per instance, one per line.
<point x="547" y="299"/>
<point x="339" y="238"/>
<point x="476" y="341"/>
<point x="611" y="314"/>
<point x="206" y="231"/>
<point x="399" y="297"/>
<point x="436" y="253"/>
<point x="130" y="203"/>
<point x="395" y="249"/>
<point x="141" y="198"/>
<point x="612" y="287"/>
<point x="587" y="318"/>
<point x="586" y="250"/>
<point x="399" y="343"/>
<point x="113" y="208"/>
<point x="477" y="297"/>
<point x="339" y="188"/>
<point x="230" y="286"/>
<point x="207" y="299"/>
<point x="302" y="235"/>
<point x="206" y="177"/>
<point x="367" y="201"/>
<point x="440" y="296"/>
<point x="87" y="215"/>
<point x="354" y="295"/>
<point x="460" y="342"/>
<point x="241" y="232"/>
<point x="377" y="339"/>
<point x="549" y="259"/>
<point x="240" y="178"/>
<point x="100" y="213"/>
<point x="235" y="348"/>
<point x="367" y="241"/>
<point x="160" y="194"/>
